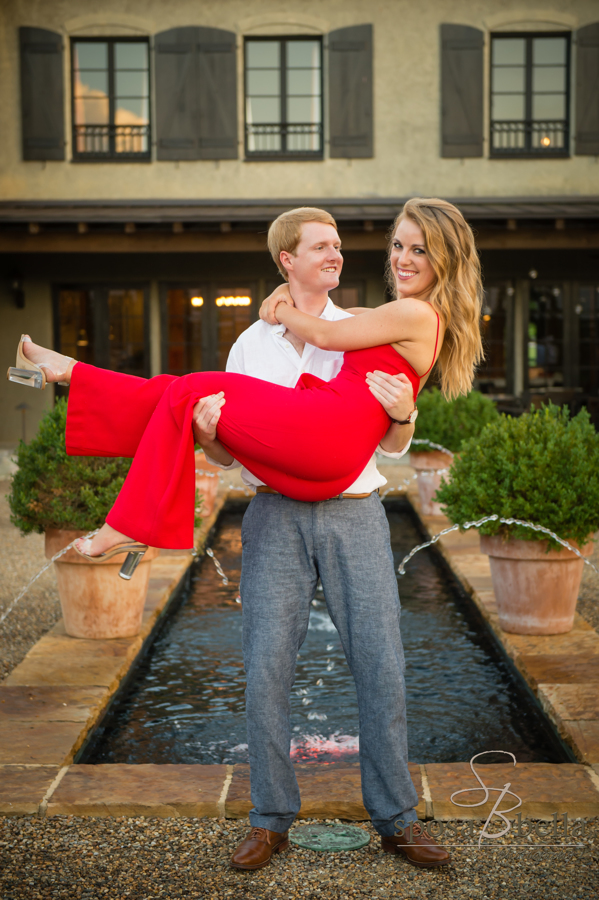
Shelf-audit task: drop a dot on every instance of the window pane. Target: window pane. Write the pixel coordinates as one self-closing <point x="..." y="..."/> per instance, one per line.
<point x="90" y="83"/>
<point x="131" y="55"/>
<point x="587" y="312"/>
<point x="509" y="79"/>
<point x="76" y="325"/>
<point x="549" y="51"/>
<point x="549" y="78"/>
<point x="303" y="53"/>
<point x="263" y="54"/>
<point x="91" y="111"/>
<point x="497" y="301"/>
<point x="265" y="82"/>
<point x="303" y="109"/>
<point x="185" y="311"/>
<point x="548" y="106"/>
<point x="131" y="84"/>
<point x="303" y="81"/>
<point x="131" y="112"/>
<point x="507" y="106"/>
<point x="263" y="110"/>
<point x="91" y="55"/>
<point x="545" y="336"/>
<point x="234" y="315"/>
<point x="126" y="331"/>
<point x="509" y="51"/>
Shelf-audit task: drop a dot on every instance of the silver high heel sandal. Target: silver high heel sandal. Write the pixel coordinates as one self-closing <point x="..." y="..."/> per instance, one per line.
<point x="133" y="549"/>
<point x="29" y="373"/>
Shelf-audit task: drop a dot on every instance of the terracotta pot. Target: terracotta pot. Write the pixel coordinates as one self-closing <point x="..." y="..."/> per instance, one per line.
<point x="536" y="591"/>
<point x="429" y="481"/>
<point x="207" y="484"/>
<point x="95" y="602"/>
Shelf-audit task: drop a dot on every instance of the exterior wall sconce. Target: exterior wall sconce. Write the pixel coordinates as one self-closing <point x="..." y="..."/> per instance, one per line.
<point x="34" y="228"/>
<point x="129" y="227"/>
<point x="82" y="228"/>
<point x="225" y="227"/>
<point x="178" y="228"/>
<point x="533" y="274"/>
<point x="197" y="301"/>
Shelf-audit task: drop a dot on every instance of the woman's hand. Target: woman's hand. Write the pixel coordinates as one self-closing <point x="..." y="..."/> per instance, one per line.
<point x="280" y="295"/>
<point x="206" y="414"/>
<point x="394" y="393"/>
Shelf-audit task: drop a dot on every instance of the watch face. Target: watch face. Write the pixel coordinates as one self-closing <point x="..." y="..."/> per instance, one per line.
<point x="413" y="416"/>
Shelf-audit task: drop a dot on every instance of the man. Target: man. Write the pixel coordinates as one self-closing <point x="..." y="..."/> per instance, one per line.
<point x="289" y="544"/>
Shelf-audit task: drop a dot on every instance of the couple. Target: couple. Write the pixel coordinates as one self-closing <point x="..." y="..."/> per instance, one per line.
<point x="305" y="426"/>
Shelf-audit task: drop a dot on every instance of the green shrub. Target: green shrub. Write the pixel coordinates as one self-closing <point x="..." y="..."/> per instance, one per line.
<point x="542" y="467"/>
<point x="53" y="490"/>
<point x="452" y="422"/>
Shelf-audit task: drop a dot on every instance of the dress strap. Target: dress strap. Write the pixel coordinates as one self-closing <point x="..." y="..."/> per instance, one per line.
<point x="436" y="345"/>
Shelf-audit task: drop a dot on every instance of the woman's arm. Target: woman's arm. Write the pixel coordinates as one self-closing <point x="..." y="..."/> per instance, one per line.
<point x="399" y="321"/>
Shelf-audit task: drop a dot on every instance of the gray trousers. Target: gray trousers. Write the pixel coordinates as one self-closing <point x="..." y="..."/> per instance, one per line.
<point x="287" y="546"/>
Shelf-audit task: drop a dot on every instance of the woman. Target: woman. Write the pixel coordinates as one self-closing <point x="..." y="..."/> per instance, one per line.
<point x="434" y="271"/>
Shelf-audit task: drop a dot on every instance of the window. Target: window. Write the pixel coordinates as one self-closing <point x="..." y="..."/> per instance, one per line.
<point x="283" y="87"/>
<point x="529" y="95"/>
<point x="494" y="375"/>
<point x="586" y="310"/>
<point x="200" y="324"/>
<point x="111" y="102"/>
<point x="104" y="326"/>
<point x="546" y="336"/>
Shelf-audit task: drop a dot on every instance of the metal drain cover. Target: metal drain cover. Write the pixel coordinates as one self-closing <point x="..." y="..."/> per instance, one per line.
<point x="329" y="838"/>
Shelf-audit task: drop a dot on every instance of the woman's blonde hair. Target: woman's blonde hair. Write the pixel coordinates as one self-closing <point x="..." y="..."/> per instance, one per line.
<point x="285" y="233"/>
<point x="457" y="293"/>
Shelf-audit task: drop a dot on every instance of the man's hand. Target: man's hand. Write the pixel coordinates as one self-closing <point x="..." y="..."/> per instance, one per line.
<point x="394" y="393"/>
<point x="268" y="308"/>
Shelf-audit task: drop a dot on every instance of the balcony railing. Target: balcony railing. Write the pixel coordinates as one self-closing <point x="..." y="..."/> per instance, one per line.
<point x="530" y="138"/>
<point x="112" y="141"/>
<point x="302" y="139"/>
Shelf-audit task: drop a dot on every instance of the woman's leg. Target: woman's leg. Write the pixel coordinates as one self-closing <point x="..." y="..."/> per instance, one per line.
<point x="108" y="412"/>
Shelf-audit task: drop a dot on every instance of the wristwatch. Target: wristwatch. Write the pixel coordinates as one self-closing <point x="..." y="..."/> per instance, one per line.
<point x="409" y="421"/>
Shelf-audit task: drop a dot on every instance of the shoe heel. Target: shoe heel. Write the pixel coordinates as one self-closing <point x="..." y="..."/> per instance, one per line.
<point x="132" y="560"/>
<point x="26" y="377"/>
<point x="282" y="846"/>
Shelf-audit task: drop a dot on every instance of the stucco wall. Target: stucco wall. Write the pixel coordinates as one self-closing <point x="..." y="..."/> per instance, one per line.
<point x="36" y="318"/>
<point x="406" y="102"/>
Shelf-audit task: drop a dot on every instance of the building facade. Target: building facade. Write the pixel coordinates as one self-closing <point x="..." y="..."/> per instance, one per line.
<point x="147" y="147"/>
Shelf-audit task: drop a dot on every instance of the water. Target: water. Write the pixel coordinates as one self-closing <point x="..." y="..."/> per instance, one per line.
<point x="186" y="704"/>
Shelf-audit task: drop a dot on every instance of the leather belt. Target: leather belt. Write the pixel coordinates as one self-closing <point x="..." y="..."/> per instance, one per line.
<point x="264" y="489"/>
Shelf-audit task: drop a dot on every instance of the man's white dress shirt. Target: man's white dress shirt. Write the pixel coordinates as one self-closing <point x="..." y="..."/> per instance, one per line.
<point x="262" y="352"/>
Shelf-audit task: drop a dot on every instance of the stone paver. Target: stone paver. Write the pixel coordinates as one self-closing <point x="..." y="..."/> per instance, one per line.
<point x="22" y="788"/>
<point x="544" y="788"/>
<point x="144" y="790"/>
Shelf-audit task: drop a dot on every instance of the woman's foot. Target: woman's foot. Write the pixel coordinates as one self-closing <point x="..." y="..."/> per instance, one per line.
<point x="56" y="366"/>
<point x="104" y="540"/>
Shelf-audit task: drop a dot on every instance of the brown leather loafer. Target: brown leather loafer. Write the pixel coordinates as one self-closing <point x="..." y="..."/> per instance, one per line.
<point x="256" y="849"/>
<point x="422" y="850"/>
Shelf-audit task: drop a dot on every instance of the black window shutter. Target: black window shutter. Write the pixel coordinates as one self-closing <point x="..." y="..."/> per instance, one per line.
<point x="587" y="90"/>
<point x="350" y="92"/>
<point x="42" y="94"/>
<point x="217" y="99"/>
<point x="461" y="91"/>
<point x="176" y="77"/>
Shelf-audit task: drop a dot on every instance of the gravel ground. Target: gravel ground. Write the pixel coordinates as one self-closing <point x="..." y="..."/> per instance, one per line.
<point x="67" y="857"/>
<point x="39" y="609"/>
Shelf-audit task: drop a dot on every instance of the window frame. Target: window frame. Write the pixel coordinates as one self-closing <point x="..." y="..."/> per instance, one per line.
<point x="273" y="155"/>
<point x="528" y="152"/>
<point x="111" y="155"/>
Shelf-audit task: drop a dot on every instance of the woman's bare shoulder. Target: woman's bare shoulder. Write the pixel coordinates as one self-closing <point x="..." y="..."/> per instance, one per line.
<point x="413" y="309"/>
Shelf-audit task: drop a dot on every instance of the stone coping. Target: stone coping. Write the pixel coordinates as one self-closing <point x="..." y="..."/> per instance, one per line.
<point x="328" y="791"/>
<point x="51" y="702"/>
<point x="562" y="670"/>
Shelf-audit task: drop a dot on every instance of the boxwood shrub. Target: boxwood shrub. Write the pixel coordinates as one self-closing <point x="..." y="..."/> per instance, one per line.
<point x="542" y="467"/>
<point x="452" y="422"/>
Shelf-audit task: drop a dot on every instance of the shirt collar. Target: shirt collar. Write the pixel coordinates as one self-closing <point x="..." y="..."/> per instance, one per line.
<point x="328" y="313"/>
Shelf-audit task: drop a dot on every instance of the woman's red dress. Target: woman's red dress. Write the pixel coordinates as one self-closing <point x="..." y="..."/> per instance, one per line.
<point x="309" y="442"/>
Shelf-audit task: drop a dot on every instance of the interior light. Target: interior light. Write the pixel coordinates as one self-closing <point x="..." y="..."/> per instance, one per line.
<point x="197" y="301"/>
<point x="486" y="318"/>
<point x="233" y="301"/>
<point x="546" y="141"/>
<point x="82" y="341"/>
